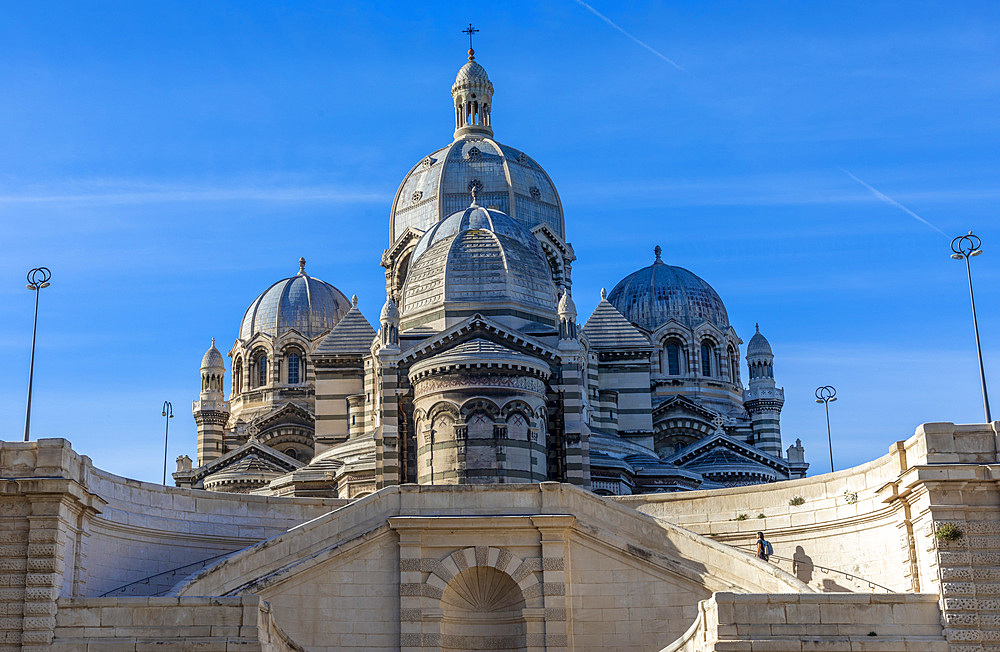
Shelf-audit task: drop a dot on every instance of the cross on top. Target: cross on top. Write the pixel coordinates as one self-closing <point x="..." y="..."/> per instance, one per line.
<point x="470" y="31"/>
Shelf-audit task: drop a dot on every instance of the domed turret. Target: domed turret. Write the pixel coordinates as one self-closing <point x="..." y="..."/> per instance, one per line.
<point x="478" y="260"/>
<point x="763" y="399"/>
<point x="758" y="346"/>
<point x="473" y="95"/>
<point x="656" y="294"/>
<point x="507" y="180"/>
<point x="211" y="411"/>
<point x="302" y="303"/>
<point x="566" y="311"/>
<point x="212" y="360"/>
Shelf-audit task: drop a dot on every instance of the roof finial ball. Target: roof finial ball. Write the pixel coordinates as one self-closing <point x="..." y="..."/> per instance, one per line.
<point x="657" y="250"/>
<point x="604" y="293"/>
<point x="302" y="265"/>
<point x="354" y="300"/>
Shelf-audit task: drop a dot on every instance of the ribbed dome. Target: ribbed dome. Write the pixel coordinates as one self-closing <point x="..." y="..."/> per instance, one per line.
<point x="478" y="256"/>
<point x="506" y="179"/>
<point x="213" y="358"/>
<point x="471" y="71"/>
<point x="758" y="345"/>
<point x="653" y="295"/>
<point x="302" y="303"/>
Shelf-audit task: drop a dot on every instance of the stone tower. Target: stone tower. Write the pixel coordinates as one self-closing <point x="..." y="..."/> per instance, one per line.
<point x="763" y="400"/>
<point x="211" y="410"/>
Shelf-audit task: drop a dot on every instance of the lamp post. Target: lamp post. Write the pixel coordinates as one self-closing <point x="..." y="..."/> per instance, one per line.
<point x="168" y="413"/>
<point x="826" y="395"/>
<point x="967" y="246"/>
<point x="38" y="278"/>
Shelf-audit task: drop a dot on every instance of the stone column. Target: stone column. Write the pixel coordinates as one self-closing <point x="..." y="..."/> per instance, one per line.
<point x="387" y="443"/>
<point x="555" y="558"/>
<point x="411" y="613"/>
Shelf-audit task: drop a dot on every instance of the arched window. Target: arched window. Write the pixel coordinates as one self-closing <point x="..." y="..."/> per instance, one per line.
<point x="707" y="353"/>
<point x="673" y="359"/>
<point x="293" y="369"/>
<point x="237" y="376"/>
<point x="261" y="369"/>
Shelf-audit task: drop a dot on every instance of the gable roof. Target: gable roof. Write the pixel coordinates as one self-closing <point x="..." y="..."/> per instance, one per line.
<point x="608" y="329"/>
<point x="479" y="327"/>
<point x="252" y="457"/>
<point x="352" y="335"/>
<point x="719" y="452"/>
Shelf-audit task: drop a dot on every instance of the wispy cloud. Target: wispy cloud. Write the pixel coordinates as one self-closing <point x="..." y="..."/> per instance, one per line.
<point x="173" y="194"/>
<point x="642" y="43"/>
<point x="892" y="202"/>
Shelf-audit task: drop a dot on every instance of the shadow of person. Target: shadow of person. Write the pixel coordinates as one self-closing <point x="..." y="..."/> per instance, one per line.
<point x="802" y="565"/>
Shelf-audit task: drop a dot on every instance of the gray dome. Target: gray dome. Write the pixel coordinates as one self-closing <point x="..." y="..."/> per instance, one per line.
<point x="758" y="345"/>
<point x="653" y="295"/>
<point x="508" y="180"/>
<point x="301" y="303"/>
<point x="213" y="358"/>
<point x="481" y="256"/>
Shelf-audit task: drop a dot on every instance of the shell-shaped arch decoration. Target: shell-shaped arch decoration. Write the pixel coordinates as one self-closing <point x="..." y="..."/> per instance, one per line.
<point x="475" y="573"/>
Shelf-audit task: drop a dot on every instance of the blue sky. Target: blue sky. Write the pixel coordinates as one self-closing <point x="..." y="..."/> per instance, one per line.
<point x="169" y="161"/>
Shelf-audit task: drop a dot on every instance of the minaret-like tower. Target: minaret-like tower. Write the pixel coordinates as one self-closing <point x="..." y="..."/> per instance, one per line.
<point x="762" y="399"/>
<point x="211" y="410"/>
<point x="473" y="95"/>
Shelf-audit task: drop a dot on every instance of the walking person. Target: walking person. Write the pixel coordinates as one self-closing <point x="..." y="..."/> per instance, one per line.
<point x="764" y="549"/>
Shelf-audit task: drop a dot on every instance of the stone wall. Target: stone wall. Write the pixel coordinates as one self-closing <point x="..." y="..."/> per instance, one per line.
<point x="583" y="572"/>
<point x="168" y="625"/>
<point x="834" y="622"/>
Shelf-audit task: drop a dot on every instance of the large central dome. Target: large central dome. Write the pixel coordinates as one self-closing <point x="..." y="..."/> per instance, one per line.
<point x="506" y="179"/>
<point x="656" y="294"/>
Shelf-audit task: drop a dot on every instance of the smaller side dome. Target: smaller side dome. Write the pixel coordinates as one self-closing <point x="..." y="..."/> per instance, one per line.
<point x="302" y="303"/>
<point x="758" y="346"/>
<point x="652" y="296"/>
<point x="212" y="359"/>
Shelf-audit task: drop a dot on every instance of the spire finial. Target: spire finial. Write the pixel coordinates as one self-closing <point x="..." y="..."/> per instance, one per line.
<point x="757" y="325"/>
<point x="354" y="300"/>
<point x="604" y="293"/>
<point x="470" y="31"/>
<point x="213" y="342"/>
<point x="657" y="250"/>
<point x="302" y="265"/>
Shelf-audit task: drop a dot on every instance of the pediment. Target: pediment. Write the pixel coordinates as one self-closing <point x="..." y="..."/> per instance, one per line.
<point x="289" y="413"/>
<point x="720" y="449"/>
<point x="262" y="456"/>
<point x="545" y="233"/>
<point x="405" y="240"/>
<point x="680" y="404"/>
<point x="483" y="328"/>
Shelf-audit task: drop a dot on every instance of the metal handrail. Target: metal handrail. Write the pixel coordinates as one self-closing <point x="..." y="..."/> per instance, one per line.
<point x="146" y="580"/>
<point x="850" y="576"/>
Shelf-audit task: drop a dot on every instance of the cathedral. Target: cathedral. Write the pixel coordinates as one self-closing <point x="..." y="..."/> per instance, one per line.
<point x="481" y="471"/>
<point x="478" y="369"/>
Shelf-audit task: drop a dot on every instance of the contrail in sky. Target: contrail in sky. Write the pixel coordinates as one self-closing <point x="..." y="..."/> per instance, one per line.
<point x="892" y="202"/>
<point x="648" y="47"/>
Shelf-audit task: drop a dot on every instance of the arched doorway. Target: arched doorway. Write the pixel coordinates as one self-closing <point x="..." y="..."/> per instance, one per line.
<point x="482" y="610"/>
